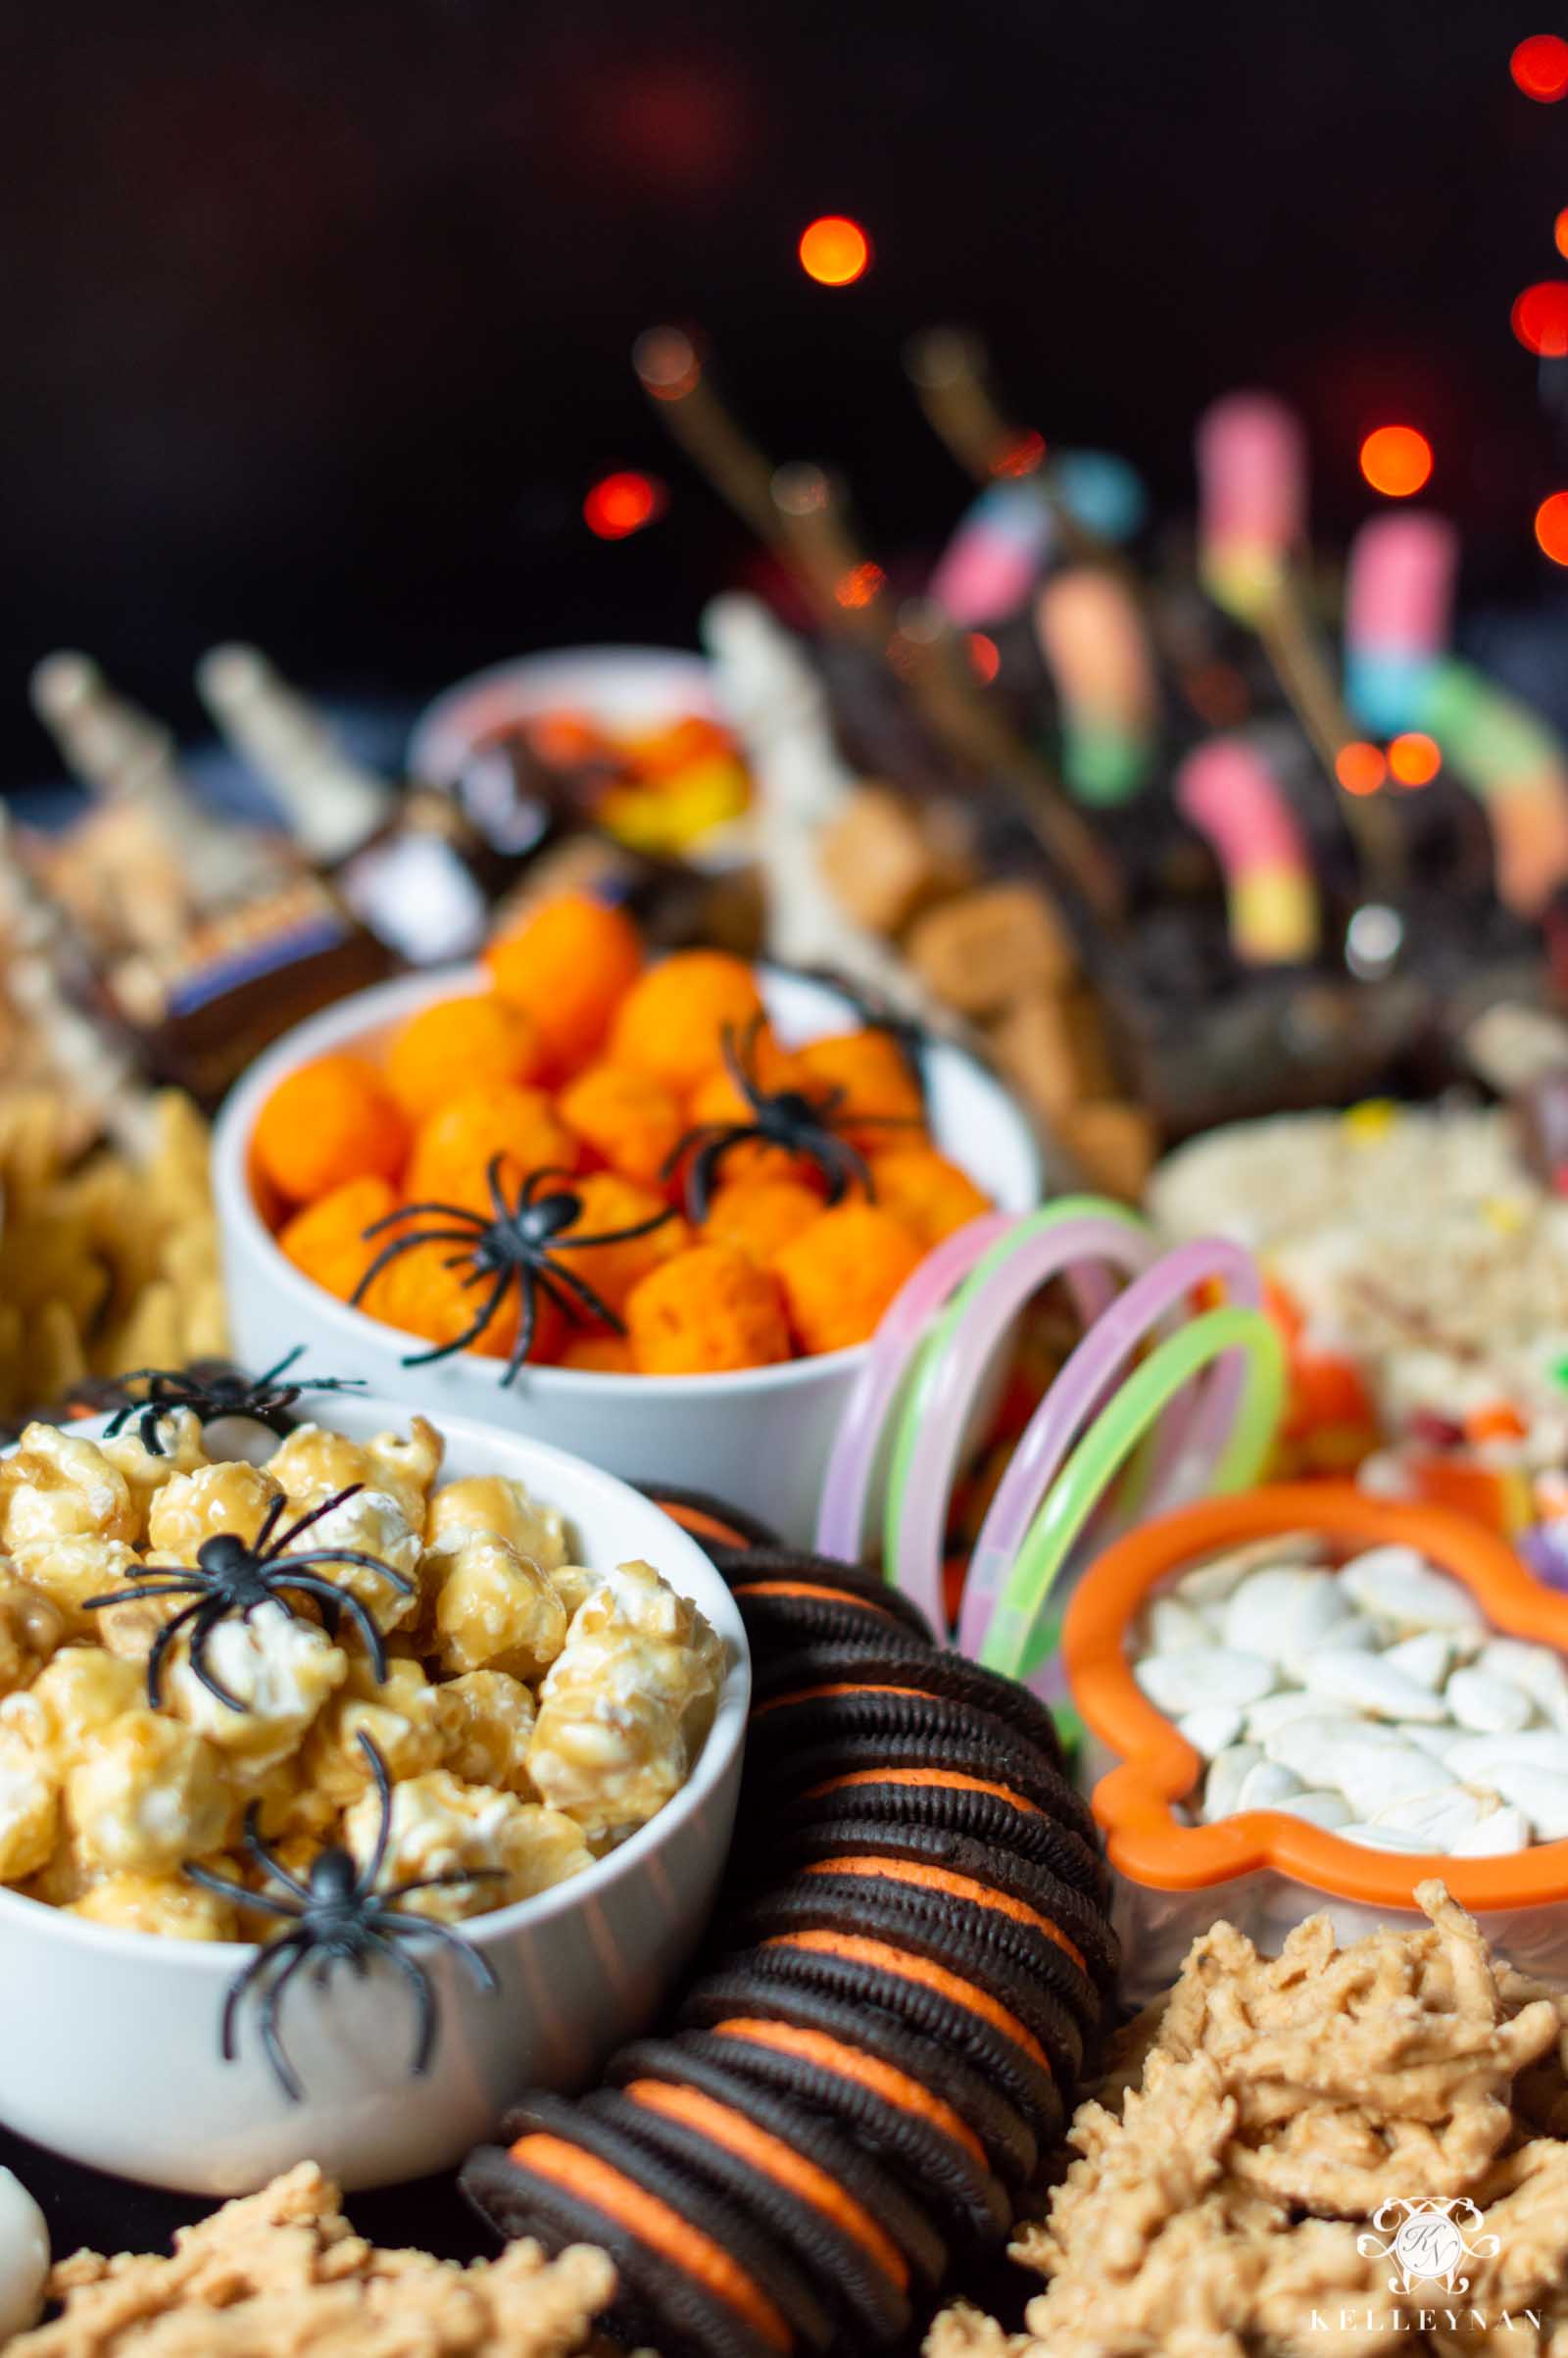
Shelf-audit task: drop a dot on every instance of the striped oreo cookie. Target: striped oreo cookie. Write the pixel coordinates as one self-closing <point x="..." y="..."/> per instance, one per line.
<point x="713" y="1523"/>
<point x="958" y="1750"/>
<point x="696" y="2273"/>
<point x="843" y="2217"/>
<point x="997" y="2101"/>
<point x="790" y="1599"/>
<point x="791" y="1692"/>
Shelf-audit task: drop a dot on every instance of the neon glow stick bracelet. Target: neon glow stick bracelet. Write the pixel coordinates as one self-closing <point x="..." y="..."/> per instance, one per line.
<point x="1081" y="1387"/>
<point x="1014" y="1642"/>
<point x="952" y="1363"/>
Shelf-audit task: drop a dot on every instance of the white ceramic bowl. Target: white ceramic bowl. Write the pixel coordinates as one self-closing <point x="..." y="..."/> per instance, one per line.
<point x="621" y="687"/>
<point x="759" y="1437"/>
<point x="111" y="2054"/>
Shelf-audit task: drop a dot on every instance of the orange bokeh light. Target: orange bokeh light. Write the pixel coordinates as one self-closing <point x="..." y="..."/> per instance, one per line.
<point x="1551" y="526"/>
<point x="984" y="656"/>
<point x="1415" y="759"/>
<point x="1559" y="232"/>
<point x="619" y="504"/>
<point x="835" y="250"/>
<point x="1539" y="317"/>
<point x="1540" y="66"/>
<point x="859" y="585"/>
<point x="1360" y="767"/>
<point x="1396" y="459"/>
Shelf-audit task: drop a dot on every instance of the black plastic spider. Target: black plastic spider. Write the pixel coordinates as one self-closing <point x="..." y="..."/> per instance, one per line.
<point x="233" y="1576"/>
<point x="781" y="1117"/>
<point x="517" y="1247"/>
<point x="211" y="1388"/>
<point x="339" y="1918"/>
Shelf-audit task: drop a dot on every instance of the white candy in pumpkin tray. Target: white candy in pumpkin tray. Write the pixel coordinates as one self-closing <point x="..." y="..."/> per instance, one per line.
<point x="1372" y="1698"/>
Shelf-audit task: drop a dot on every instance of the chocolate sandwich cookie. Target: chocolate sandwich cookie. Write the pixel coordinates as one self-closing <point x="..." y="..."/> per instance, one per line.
<point x="696" y="2273"/>
<point x="845" y="2219"/>
<point x="990" y="1876"/>
<point x="882" y="1976"/>
<point x="791" y="1601"/>
<point x="1030" y="1968"/>
<point x="713" y="1522"/>
<point x="952" y="1801"/>
<point x="968" y="1751"/>
<point x="790" y="1690"/>
<point x="876" y="2059"/>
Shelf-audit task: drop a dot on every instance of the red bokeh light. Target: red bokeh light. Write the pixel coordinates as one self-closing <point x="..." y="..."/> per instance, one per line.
<point x="984" y="656"/>
<point x="1539" y="317"/>
<point x="1360" y="767"/>
<point x="1540" y="66"/>
<point x="1396" y="461"/>
<point x="1559" y="232"/>
<point x="1551" y="526"/>
<point x="1415" y="759"/>
<point x="1021" y="456"/>
<point x="619" y="504"/>
<point x="835" y="250"/>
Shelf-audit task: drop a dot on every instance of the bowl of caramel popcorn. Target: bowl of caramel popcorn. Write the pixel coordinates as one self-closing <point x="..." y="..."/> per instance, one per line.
<point x="353" y="1777"/>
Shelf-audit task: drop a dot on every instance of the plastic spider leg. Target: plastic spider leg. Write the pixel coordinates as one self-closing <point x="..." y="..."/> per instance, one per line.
<point x="208" y="1617"/>
<point x="262" y="1852"/>
<point x="282" y="1368"/>
<point x="477" y="1962"/>
<point x="266" y="1903"/>
<point x="161" y="1588"/>
<point x="435" y="1212"/>
<point x="366" y="1882"/>
<point x="580" y="1291"/>
<point x="272" y="2037"/>
<point x="535" y="1181"/>
<point x="245" y="1981"/>
<point x="313" y="1585"/>
<point x="275" y="1508"/>
<point x="166" y="1639"/>
<point x="470" y="1333"/>
<point x="410" y="1244"/>
<point x="702" y="1133"/>
<point x="708" y="1163"/>
<point x="740" y="1055"/>
<point x="316" y="1515"/>
<point x="841" y="1165"/>
<point x="425" y="2013"/>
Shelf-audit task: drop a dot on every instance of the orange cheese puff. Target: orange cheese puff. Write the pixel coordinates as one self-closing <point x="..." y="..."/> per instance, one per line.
<point x="928" y="1193"/>
<point x="419" y="1294"/>
<point x="671" y="1023"/>
<point x="761" y="1216"/>
<point x="569" y="966"/>
<point x="628" y="1119"/>
<point x="327" y="1240"/>
<point x="459" y="1044"/>
<point x="598" y="1354"/>
<point x="707" y="1309"/>
<point x="453" y="1149"/>
<point x="877" y="1083"/>
<point x="330" y="1121"/>
<point x="840" y="1274"/>
<point x="610" y="1202"/>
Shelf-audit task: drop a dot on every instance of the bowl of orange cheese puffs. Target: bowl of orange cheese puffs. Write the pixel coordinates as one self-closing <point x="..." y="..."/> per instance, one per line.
<point x="650" y="1207"/>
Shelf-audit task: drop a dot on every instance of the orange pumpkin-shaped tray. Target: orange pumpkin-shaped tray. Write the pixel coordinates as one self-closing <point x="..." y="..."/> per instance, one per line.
<point x="1136" y="1803"/>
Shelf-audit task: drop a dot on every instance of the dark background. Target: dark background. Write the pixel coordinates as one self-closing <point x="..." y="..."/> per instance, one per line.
<point x="319" y="311"/>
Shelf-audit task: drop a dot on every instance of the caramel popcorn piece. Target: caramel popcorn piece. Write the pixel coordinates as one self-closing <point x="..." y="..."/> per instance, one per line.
<point x="312" y="1463"/>
<point x="29" y="1809"/>
<point x="281" y="1670"/>
<point x="69" y="1570"/>
<point x="32" y="1628"/>
<point x="496" y="1506"/>
<point x="145" y="1471"/>
<point x="487" y="1722"/>
<point x="441" y="1826"/>
<point x="405" y="1718"/>
<point x="626" y="1705"/>
<point x="56" y="1487"/>
<point x="198" y="1505"/>
<point x="147" y="1794"/>
<point x="992" y="947"/>
<point x="158" y="1903"/>
<point x="494" y="1608"/>
<point x="74" y="1698"/>
<point x="373" y="1522"/>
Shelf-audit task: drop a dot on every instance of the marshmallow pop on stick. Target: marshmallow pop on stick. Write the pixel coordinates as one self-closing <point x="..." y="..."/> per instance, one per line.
<point x="1229" y="794"/>
<point x="1399" y="614"/>
<point x="1091" y="635"/>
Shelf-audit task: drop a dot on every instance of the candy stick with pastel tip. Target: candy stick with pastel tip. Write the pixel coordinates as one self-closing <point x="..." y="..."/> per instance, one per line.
<point x="1252" y="488"/>
<point x="1399" y="614"/>
<point x="996" y="555"/>
<point x="1226" y="791"/>
<point x="1091" y="635"/>
<point x="947" y="367"/>
<point x="1518" y="768"/>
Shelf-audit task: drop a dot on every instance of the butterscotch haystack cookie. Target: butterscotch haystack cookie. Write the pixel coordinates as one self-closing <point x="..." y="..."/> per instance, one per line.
<point x="283" y="2271"/>
<point x="1265" y="2132"/>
